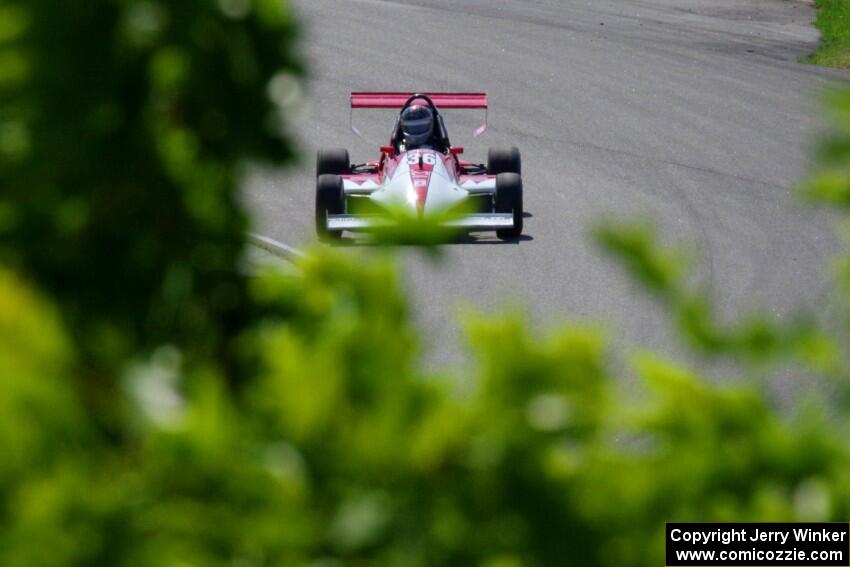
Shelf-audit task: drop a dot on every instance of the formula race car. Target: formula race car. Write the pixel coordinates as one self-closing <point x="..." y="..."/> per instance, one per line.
<point x="420" y="174"/>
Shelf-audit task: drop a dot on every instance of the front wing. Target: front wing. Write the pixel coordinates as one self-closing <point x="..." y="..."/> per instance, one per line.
<point x="475" y="222"/>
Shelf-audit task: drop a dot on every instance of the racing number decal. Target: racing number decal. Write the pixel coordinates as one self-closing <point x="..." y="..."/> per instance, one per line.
<point x="427" y="159"/>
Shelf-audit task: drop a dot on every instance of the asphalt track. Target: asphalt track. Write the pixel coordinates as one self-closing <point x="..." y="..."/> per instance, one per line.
<point x="694" y="113"/>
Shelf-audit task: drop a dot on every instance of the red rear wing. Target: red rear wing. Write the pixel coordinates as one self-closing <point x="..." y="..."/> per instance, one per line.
<point x="396" y="100"/>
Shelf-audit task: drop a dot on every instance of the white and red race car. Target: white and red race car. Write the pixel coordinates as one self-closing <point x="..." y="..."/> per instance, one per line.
<point x="425" y="183"/>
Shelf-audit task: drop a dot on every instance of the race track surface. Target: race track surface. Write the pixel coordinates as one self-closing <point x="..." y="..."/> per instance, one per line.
<point x="695" y="113"/>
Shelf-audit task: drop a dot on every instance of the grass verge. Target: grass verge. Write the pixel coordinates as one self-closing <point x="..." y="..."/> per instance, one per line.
<point x="833" y="20"/>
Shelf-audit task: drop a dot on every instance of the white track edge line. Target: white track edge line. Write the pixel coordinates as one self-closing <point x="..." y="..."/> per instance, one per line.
<point x="288" y="253"/>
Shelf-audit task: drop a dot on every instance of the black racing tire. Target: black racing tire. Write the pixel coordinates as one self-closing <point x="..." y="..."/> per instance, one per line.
<point x="330" y="200"/>
<point x="332" y="161"/>
<point x="504" y="160"/>
<point x="509" y="200"/>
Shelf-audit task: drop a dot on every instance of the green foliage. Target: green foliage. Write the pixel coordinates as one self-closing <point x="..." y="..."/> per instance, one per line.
<point x="341" y="450"/>
<point x="122" y="127"/>
<point x="150" y="416"/>
<point x="833" y="20"/>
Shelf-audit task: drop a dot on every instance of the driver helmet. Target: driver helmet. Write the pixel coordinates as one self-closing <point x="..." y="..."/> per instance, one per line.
<point x="417" y="124"/>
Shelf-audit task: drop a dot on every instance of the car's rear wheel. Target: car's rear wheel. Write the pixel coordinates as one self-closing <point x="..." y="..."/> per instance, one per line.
<point x="332" y="161"/>
<point x="330" y="200"/>
<point x="509" y="200"/>
<point x="504" y="160"/>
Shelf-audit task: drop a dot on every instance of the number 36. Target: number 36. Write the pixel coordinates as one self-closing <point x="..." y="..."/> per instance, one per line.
<point x="428" y="159"/>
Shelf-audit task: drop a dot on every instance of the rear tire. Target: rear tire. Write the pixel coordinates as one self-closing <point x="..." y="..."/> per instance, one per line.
<point x="509" y="200"/>
<point x="330" y="200"/>
<point x="504" y="160"/>
<point x="332" y="161"/>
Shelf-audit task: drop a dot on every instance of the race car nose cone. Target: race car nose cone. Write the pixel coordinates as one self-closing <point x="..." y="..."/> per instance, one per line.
<point x="421" y="196"/>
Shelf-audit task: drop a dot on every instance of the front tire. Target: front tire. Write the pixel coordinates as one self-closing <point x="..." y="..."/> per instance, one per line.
<point x="332" y="161"/>
<point x="509" y="200"/>
<point x="504" y="160"/>
<point x="330" y="200"/>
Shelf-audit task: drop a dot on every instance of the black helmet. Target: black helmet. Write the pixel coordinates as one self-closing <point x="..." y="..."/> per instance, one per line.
<point x="417" y="124"/>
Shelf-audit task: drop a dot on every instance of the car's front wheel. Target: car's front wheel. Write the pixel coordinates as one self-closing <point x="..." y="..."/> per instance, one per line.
<point x="332" y="161"/>
<point x="504" y="160"/>
<point x="509" y="200"/>
<point x="330" y="200"/>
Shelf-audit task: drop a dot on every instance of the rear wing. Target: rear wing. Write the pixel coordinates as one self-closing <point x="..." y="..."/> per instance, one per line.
<point x="395" y="100"/>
